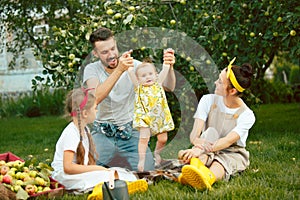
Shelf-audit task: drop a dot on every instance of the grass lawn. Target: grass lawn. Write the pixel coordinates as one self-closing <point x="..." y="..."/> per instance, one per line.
<point x="274" y="145"/>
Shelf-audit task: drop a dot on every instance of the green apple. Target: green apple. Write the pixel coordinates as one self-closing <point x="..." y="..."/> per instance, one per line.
<point x="224" y="54"/>
<point x="275" y="34"/>
<point x="32" y="173"/>
<point x="46" y="189"/>
<point x="40" y="181"/>
<point x="25" y="169"/>
<point x="71" y="56"/>
<point x="12" y="173"/>
<point x="131" y="8"/>
<point x="40" y="189"/>
<point x="19" y="182"/>
<point x="13" y="169"/>
<point x="279" y="19"/>
<point x="173" y="22"/>
<point x="293" y="33"/>
<point x="2" y="162"/>
<point x="17" y="188"/>
<point x="109" y="12"/>
<point x="252" y="34"/>
<point x="117" y="15"/>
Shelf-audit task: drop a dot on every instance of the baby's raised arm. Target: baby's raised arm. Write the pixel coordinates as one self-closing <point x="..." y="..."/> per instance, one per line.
<point x="163" y="73"/>
<point x="132" y="76"/>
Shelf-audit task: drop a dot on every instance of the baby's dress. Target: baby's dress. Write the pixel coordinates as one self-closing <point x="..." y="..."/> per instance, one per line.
<point x="151" y="109"/>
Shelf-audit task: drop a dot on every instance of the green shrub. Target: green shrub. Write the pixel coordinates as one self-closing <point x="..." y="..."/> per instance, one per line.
<point x="295" y="75"/>
<point x="273" y="92"/>
<point x="35" y="104"/>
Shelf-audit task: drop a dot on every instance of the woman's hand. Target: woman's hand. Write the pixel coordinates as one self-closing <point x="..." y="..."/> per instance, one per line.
<point x="186" y="155"/>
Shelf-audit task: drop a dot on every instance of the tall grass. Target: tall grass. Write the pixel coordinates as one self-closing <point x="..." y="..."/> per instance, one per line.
<point x="274" y="144"/>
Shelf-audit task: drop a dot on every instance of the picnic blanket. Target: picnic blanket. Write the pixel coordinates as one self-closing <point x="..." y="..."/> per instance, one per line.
<point x="169" y="169"/>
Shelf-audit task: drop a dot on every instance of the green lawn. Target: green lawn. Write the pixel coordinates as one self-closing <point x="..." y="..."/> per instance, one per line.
<point x="273" y="143"/>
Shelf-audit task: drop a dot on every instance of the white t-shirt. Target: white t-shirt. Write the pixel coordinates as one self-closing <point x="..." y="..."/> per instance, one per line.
<point x="117" y="107"/>
<point x="244" y="122"/>
<point x="69" y="140"/>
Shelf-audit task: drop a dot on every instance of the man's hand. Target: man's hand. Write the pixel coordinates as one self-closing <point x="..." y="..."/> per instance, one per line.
<point x="125" y="61"/>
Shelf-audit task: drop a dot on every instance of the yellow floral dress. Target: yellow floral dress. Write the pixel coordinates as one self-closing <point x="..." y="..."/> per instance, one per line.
<point x="151" y="109"/>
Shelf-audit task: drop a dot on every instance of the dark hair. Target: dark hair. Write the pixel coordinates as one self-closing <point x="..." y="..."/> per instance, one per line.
<point x="101" y="34"/>
<point x="72" y="103"/>
<point x="243" y="74"/>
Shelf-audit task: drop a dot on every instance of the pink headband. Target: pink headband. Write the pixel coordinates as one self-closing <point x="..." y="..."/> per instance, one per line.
<point x="84" y="101"/>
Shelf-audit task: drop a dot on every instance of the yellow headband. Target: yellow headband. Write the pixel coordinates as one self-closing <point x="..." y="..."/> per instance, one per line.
<point x="232" y="78"/>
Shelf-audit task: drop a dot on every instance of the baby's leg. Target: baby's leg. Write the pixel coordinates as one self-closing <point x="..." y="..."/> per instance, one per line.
<point x="160" y="144"/>
<point x="143" y="145"/>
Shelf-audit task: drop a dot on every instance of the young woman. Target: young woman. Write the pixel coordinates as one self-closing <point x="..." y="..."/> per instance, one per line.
<point x="221" y="127"/>
<point x="74" y="159"/>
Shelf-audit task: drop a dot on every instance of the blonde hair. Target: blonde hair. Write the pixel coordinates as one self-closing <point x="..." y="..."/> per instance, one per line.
<point x="74" y="102"/>
<point x="143" y="65"/>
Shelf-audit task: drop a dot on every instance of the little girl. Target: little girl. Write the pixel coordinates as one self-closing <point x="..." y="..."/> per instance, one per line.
<point x="74" y="158"/>
<point x="151" y="111"/>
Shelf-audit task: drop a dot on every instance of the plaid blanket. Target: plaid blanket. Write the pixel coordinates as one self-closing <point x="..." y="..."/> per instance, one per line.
<point x="169" y="169"/>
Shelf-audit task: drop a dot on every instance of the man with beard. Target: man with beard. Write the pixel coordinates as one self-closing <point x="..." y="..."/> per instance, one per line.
<point x="112" y="132"/>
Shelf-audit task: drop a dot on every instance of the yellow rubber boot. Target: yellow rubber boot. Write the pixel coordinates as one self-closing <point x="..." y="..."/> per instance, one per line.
<point x="182" y="180"/>
<point x="97" y="192"/>
<point x="200" y="178"/>
<point x="196" y="162"/>
<point x="140" y="185"/>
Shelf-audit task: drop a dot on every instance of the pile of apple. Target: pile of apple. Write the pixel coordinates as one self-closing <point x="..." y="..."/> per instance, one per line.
<point x="18" y="177"/>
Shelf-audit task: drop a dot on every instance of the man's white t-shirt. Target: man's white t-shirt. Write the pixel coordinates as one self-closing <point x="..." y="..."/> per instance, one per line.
<point x="117" y="107"/>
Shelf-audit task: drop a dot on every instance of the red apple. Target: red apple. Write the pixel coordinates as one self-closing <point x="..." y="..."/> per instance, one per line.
<point x="7" y="179"/>
<point x="30" y="189"/>
<point x="4" y="169"/>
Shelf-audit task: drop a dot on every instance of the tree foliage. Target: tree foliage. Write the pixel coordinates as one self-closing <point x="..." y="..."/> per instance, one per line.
<point x="253" y="31"/>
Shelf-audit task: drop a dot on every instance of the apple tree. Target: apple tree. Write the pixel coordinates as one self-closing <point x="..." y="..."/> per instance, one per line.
<point x="253" y="31"/>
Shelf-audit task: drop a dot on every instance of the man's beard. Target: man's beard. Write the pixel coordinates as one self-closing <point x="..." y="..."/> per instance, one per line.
<point x="106" y="63"/>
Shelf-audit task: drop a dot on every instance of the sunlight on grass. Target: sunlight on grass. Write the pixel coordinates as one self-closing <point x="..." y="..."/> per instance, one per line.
<point x="274" y="144"/>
